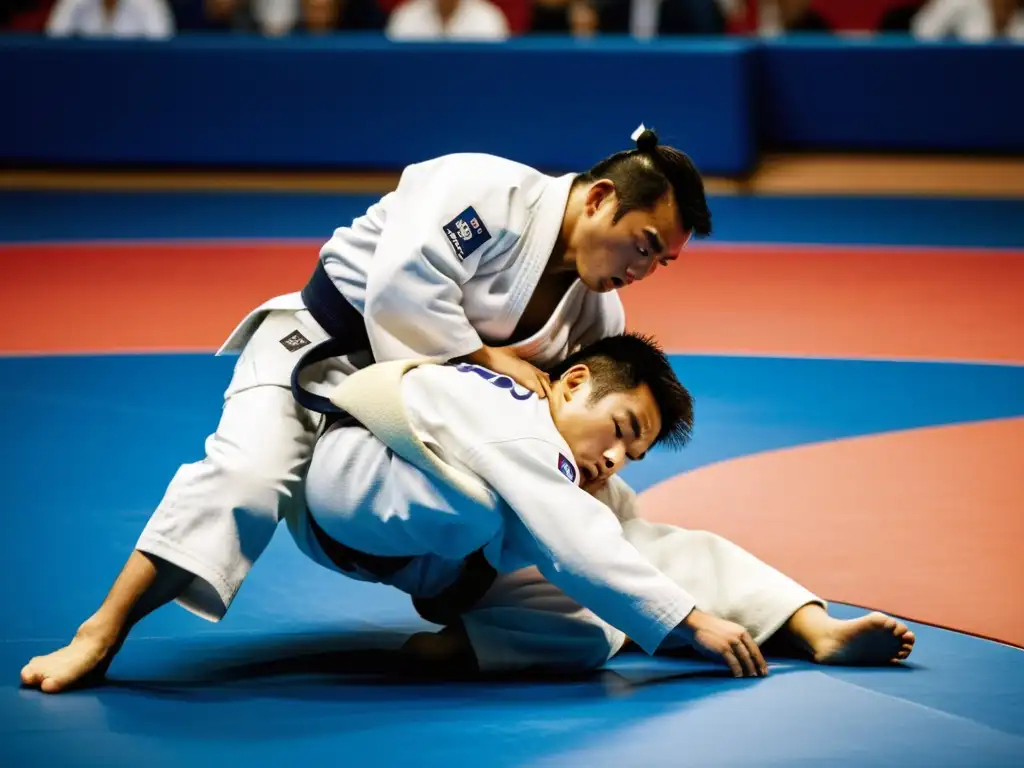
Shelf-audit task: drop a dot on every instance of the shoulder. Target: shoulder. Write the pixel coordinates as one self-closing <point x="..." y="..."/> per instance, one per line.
<point x="499" y="194"/>
<point x="499" y="408"/>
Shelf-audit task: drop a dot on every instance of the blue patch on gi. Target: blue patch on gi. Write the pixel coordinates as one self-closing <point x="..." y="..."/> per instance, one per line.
<point x="466" y="232"/>
<point x="566" y="468"/>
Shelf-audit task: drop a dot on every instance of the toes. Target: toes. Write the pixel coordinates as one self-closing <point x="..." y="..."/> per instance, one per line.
<point x="908" y="637"/>
<point x="50" y="685"/>
<point x="29" y="674"/>
<point x="900" y="629"/>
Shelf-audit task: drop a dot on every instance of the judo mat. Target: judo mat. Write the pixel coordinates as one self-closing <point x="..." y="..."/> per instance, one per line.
<point x="857" y="369"/>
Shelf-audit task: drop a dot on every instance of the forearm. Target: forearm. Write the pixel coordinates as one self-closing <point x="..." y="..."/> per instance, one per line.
<point x="483" y="356"/>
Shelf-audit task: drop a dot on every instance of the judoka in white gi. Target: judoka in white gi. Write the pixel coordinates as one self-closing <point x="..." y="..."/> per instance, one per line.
<point x="462" y="461"/>
<point x="525" y="622"/>
<point x="659" y="585"/>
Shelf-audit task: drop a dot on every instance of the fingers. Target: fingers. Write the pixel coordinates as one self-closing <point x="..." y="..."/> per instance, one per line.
<point x="755" y="653"/>
<point x="734" y="665"/>
<point x="544" y="384"/>
<point x="741" y="652"/>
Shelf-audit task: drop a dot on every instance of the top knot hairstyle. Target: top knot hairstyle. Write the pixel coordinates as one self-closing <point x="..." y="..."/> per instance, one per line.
<point x="647" y="141"/>
<point x="625" y="362"/>
<point x="643" y="175"/>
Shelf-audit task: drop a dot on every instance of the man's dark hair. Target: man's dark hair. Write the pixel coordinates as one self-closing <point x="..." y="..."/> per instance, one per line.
<point x="643" y="175"/>
<point x="624" y="362"/>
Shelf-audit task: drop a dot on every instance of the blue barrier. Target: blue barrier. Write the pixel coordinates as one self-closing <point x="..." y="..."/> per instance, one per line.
<point x="891" y="94"/>
<point x="363" y="102"/>
<point x="352" y="102"/>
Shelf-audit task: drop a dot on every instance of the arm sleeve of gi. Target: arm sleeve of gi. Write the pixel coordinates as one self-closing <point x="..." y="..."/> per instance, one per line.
<point x="432" y="244"/>
<point x="578" y="541"/>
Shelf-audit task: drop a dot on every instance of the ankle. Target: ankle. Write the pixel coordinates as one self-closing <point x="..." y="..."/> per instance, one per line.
<point x="99" y="630"/>
<point x="812" y="629"/>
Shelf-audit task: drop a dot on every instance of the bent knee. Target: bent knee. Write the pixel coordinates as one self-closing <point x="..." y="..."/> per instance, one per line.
<point x="446" y="651"/>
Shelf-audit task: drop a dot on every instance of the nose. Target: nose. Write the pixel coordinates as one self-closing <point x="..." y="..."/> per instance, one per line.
<point x="642" y="268"/>
<point x="614" y="458"/>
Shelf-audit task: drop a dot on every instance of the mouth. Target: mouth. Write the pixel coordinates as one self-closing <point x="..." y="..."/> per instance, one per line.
<point x="619" y="282"/>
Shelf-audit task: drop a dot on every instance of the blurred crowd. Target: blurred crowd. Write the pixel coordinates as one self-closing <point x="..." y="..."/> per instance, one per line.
<point x="496" y="20"/>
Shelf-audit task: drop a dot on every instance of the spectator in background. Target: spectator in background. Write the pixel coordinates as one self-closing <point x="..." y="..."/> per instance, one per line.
<point x="272" y="18"/>
<point x="323" y="17"/>
<point x="973" y="21"/>
<point x="663" y="18"/>
<point x="580" y="18"/>
<point x="150" y="19"/>
<point x="447" y="20"/>
<point x="774" y="17"/>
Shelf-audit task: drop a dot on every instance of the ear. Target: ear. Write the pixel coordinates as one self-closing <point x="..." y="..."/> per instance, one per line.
<point x="600" y="193"/>
<point x="575" y="379"/>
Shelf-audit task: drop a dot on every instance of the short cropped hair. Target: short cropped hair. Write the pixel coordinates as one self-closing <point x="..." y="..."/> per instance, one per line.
<point x="625" y="362"/>
<point x="643" y="175"/>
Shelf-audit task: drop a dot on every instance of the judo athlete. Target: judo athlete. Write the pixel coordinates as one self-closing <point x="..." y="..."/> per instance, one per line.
<point x="436" y="478"/>
<point x="524" y="621"/>
<point x="471" y="257"/>
<point x="548" y="574"/>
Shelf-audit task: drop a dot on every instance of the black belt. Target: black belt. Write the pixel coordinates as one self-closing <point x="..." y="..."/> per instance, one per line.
<point x="344" y="325"/>
<point x="468" y="589"/>
<point x="349" y="560"/>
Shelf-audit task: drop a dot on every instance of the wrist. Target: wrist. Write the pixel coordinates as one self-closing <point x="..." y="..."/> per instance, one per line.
<point x="481" y="356"/>
<point x="693" y="621"/>
<point x="682" y="634"/>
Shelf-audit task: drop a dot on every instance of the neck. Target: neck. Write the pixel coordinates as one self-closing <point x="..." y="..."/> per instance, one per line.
<point x="554" y="402"/>
<point x="563" y="257"/>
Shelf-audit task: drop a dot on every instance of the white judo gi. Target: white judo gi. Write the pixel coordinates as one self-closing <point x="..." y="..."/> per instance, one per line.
<point x="445" y="262"/>
<point x="556" y="547"/>
<point x="532" y="512"/>
<point x="526" y="622"/>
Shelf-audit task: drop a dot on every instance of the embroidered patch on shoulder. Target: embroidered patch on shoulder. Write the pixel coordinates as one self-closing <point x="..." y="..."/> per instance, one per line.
<point x="466" y="232"/>
<point x="295" y="341"/>
<point x="566" y="468"/>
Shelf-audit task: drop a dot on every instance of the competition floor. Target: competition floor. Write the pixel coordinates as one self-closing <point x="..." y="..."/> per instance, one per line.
<point x="858" y="367"/>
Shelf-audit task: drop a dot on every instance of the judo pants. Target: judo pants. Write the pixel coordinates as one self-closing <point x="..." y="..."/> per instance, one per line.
<point x="218" y="514"/>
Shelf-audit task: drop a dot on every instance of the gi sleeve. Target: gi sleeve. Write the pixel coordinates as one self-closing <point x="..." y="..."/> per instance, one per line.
<point x="577" y="541"/>
<point x="432" y="244"/>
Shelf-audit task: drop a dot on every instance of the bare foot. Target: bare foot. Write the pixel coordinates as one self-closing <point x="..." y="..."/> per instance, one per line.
<point x="85" y="660"/>
<point x="868" y="640"/>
